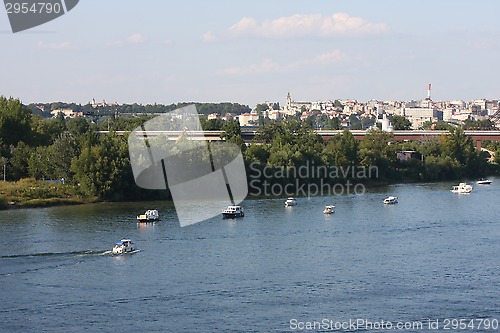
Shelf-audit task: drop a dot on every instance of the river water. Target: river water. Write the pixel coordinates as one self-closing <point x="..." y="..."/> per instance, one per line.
<point x="431" y="258"/>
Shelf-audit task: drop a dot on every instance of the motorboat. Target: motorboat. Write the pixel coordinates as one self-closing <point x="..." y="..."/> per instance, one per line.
<point x="232" y="212"/>
<point x="124" y="246"/>
<point x="462" y="188"/>
<point x="290" y="202"/>
<point x="483" y="181"/>
<point x="150" y="215"/>
<point x="391" y="200"/>
<point x="329" y="209"/>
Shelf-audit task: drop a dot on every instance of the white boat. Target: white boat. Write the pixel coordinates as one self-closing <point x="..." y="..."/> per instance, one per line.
<point x="483" y="181"/>
<point x="329" y="209"/>
<point x="462" y="188"/>
<point x="124" y="246"/>
<point x="391" y="200"/>
<point x="290" y="202"/>
<point x="233" y="211"/>
<point x="150" y="215"/>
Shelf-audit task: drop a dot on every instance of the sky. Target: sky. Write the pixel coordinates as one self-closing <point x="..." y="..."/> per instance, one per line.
<point x="252" y="51"/>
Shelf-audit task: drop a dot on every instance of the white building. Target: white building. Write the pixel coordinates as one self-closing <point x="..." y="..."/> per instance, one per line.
<point x="248" y="119"/>
<point x="418" y="116"/>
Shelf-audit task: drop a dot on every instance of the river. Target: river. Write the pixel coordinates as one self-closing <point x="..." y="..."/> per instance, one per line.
<point x="431" y="258"/>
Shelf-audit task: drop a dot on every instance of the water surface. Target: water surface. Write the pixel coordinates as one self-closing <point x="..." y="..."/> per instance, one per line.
<point x="432" y="256"/>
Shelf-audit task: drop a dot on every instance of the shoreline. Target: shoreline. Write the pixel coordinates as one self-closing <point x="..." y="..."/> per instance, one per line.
<point x="66" y="195"/>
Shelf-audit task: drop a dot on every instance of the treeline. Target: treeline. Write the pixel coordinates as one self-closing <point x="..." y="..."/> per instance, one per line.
<point x="293" y="145"/>
<point x="99" y="165"/>
<point x="44" y="109"/>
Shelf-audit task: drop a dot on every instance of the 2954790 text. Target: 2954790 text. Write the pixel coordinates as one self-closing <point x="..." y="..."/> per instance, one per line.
<point x="449" y="324"/>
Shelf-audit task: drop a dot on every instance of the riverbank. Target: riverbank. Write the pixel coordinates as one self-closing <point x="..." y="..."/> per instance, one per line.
<point x="30" y="193"/>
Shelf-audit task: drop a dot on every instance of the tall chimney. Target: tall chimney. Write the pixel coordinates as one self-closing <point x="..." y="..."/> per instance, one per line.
<point x="429" y="92"/>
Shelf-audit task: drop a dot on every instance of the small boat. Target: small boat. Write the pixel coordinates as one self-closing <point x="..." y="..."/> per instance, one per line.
<point x="391" y="200"/>
<point x="232" y="212"/>
<point x="462" y="188"/>
<point x="150" y="215"/>
<point x="290" y="202"/>
<point x="329" y="209"/>
<point x="483" y="181"/>
<point x="124" y="246"/>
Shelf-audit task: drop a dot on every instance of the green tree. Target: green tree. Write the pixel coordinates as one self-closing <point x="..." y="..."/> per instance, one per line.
<point x="77" y="126"/>
<point x="438" y="126"/>
<point x="256" y="153"/>
<point x="376" y="149"/>
<point x="19" y="161"/>
<point x="338" y="105"/>
<point x="479" y="125"/>
<point x="342" y="150"/>
<point x="212" y="124"/>
<point x="15" y="121"/>
<point x="460" y="147"/>
<point x="104" y="170"/>
<point x="46" y="131"/>
<point x="400" y="123"/>
<point x="355" y="123"/>
<point x="334" y="123"/>
<point x="54" y="161"/>
<point x="232" y="133"/>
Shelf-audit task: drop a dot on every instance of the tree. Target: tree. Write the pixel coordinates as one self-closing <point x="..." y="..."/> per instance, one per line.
<point x="355" y="123"/>
<point x="256" y="153"/>
<point x="104" y="170"/>
<point x="261" y="107"/>
<point x="232" y="133"/>
<point x="400" y="123"/>
<point x="54" y="161"/>
<point x="212" y="124"/>
<point x="334" y="123"/>
<point x="46" y="131"/>
<point x="460" y="147"/>
<point x="15" y="120"/>
<point x="77" y="126"/>
<point x="438" y="126"/>
<point x="376" y="150"/>
<point x="342" y="150"/>
<point x="19" y="161"/>
<point x="482" y="125"/>
<point x="338" y="105"/>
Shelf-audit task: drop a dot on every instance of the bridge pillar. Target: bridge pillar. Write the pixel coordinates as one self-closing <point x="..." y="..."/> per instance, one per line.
<point x="478" y="145"/>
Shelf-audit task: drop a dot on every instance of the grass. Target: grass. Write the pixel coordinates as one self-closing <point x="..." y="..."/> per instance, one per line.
<point x="35" y="193"/>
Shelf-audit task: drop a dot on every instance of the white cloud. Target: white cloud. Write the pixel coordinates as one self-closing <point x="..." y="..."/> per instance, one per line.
<point x="136" y="38"/>
<point x="308" y="25"/>
<point x="209" y="37"/>
<point x="245" y="25"/>
<point x="270" y="66"/>
<point x="266" y="66"/>
<point x="330" y="57"/>
<point x="63" y="46"/>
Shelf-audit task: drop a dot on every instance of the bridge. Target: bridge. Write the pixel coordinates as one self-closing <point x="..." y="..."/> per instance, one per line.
<point x="248" y="136"/>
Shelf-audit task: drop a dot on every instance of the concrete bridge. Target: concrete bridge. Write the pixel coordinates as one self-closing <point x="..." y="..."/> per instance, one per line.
<point x="248" y="136"/>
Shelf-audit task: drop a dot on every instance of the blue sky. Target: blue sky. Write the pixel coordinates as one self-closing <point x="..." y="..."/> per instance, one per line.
<point x="250" y="51"/>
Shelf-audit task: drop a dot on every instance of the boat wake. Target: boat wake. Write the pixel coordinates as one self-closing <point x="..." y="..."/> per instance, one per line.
<point x="10" y="264"/>
<point x="58" y="254"/>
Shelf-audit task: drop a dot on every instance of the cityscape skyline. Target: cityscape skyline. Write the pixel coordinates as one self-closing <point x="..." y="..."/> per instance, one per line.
<point x="250" y="52"/>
